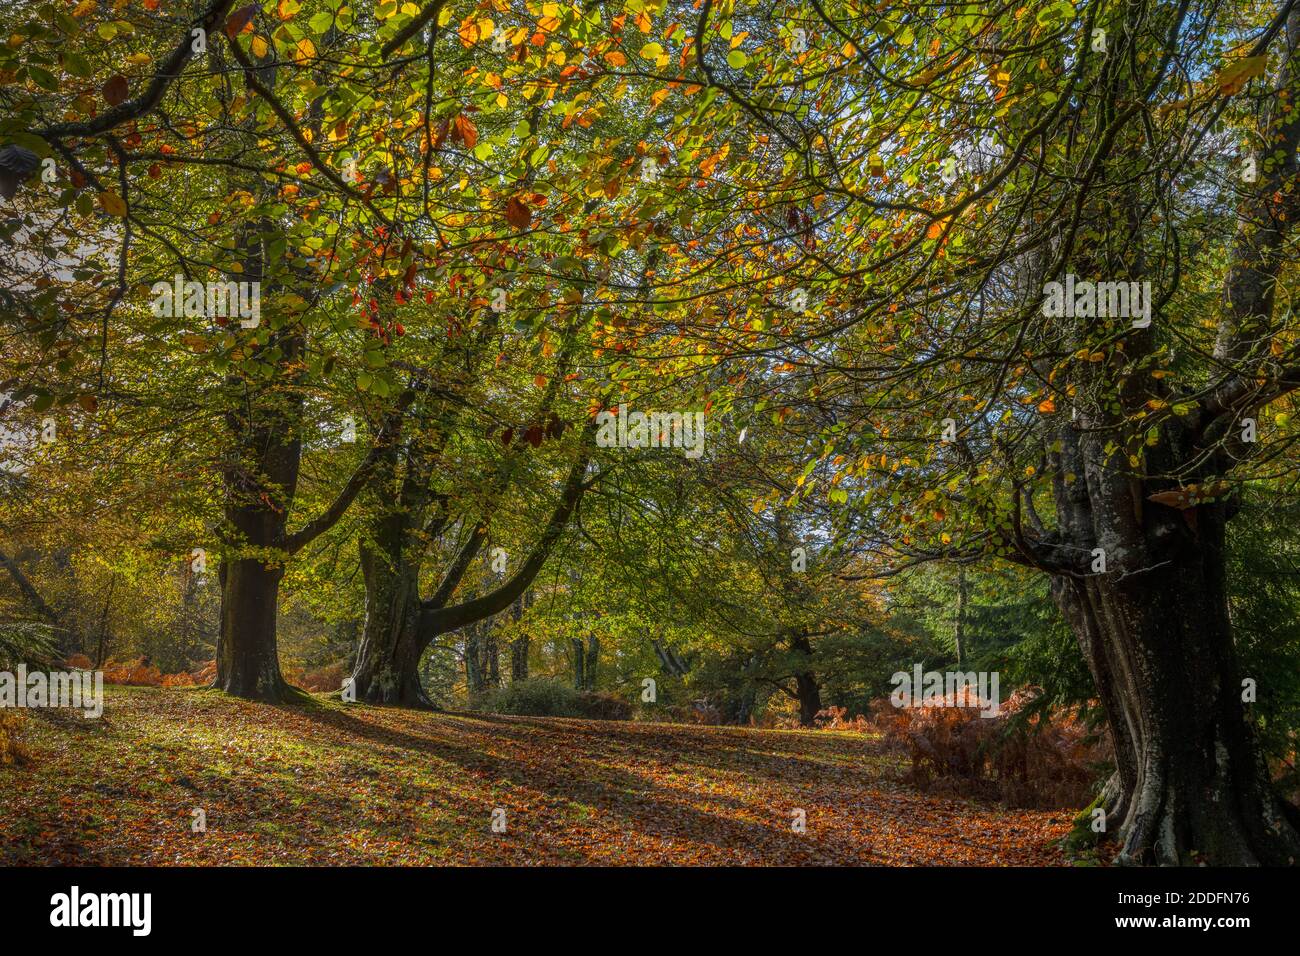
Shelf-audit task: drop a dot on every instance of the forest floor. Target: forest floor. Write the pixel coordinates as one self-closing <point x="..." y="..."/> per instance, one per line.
<point x="328" y="783"/>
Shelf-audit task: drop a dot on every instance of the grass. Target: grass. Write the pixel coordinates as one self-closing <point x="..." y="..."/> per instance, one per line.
<point x="328" y="783"/>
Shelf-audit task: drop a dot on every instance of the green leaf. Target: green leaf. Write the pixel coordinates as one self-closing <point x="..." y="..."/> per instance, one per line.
<point x="42" y="78"/>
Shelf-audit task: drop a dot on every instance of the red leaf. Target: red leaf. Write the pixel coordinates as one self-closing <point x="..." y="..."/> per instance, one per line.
<point x="518" y="215"/>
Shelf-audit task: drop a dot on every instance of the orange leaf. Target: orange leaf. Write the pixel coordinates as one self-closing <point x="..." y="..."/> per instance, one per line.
<point x="466" y="131"/>
<point x="237" y="21"/>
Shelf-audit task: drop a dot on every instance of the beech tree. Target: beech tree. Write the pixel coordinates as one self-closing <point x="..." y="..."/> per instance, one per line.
<point x="923" y="179"/>
<point x="982" y="281"/>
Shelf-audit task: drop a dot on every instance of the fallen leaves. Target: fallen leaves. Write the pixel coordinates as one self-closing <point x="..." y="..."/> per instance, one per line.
<point x="331" y="784"/>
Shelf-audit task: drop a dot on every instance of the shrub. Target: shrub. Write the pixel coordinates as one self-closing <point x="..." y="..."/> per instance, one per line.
<point x="549" y="698"/>
<point x="598" y="706"/>
<point x="133" y="673"/>
<point x="318" y="679"/>
<point x="29" y="643"/>
<point x="11" y="749"/>
<point x="1024" y="757"/>
<point x="836" y="718"/>
<point x="137" y="673"/>
<point x="206" y="675"/>
<point x="699" y="711"/>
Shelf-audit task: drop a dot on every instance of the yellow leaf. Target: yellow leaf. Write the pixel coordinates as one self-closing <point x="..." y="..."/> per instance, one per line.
<point x="112" y="203"/>
<point x="1237" y="74"/>
<point x="304" y="51"/>
<point x="259" y="47"/>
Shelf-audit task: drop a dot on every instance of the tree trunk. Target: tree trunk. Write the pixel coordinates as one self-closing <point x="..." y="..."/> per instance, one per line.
<point x="492" y="658"/>
<point x="593" y="658"/>
<point x="247" y="663"/>
<point x="475" y="659"/>
<point x="388" y="657"/>
<point x="1189" y="784"/>
<point x="806" y="687"/>
<point x="520" y="645"/>
<point x="959" y="636"/>
<point x="519" y="658"/>
<point x="579" y="680"/>
<point x="101" y="649"/>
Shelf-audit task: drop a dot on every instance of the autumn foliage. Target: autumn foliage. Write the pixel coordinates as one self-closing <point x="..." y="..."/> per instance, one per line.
<point x="11" y="749"/>
<point x="549" y="698"/>
<point x="1023" y="758"/>
<point x="138" y="673"/>
<point x="314" y="679"/>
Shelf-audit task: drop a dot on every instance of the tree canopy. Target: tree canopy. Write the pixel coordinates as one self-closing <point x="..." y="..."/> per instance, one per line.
<point x="314" y="311"/>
